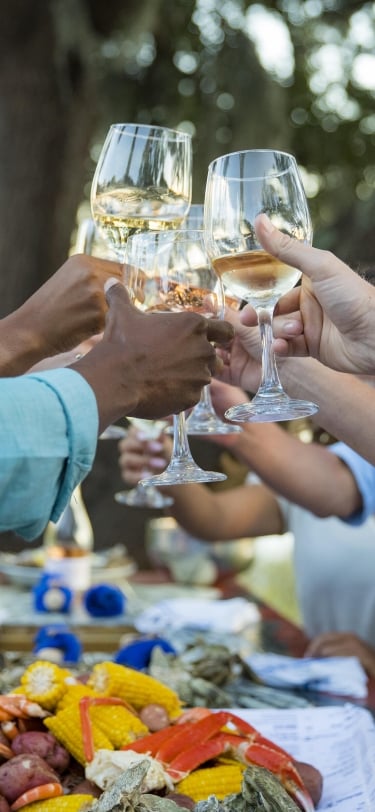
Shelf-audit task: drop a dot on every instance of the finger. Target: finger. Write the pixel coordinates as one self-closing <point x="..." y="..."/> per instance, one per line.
<point x="315" y="263"/>
<point x="289" y="303"/>
<point x="220" y="332"/>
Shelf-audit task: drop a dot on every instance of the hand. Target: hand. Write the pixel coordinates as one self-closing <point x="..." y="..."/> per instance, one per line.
<point x="336" y="305"/>
<point x="69" y="308"/>
<point x="138" y="457"/>
<point x="343" y="644"/>
<point x="150" y="365"/>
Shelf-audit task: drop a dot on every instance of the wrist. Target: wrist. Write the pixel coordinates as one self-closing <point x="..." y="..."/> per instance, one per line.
<point x="21" y="347"/>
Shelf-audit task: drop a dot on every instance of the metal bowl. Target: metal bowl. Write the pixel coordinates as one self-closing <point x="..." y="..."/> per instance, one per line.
<point x="192" y="560"/>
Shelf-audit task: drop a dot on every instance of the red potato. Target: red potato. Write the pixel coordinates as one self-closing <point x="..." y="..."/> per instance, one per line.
<point x="44" y="745"/>
<point x="155" y="717"/>
<point x="23" y="772"/>
<point x="312" y="779"/>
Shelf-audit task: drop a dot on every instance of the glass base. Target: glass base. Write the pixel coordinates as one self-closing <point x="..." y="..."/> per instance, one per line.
<point x="144" y="496"/>
<point x="271" y="409"/>
<point x="181" y="472"/>
<point x="208" y="423"/>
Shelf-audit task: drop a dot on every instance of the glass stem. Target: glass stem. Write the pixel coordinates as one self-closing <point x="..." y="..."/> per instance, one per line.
<point x="205" y="399"/>
<point x="181" y="448"/>
<point x="270" y="382"/>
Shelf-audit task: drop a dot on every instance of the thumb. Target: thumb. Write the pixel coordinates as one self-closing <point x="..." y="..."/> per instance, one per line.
<point x="115" y="291"/>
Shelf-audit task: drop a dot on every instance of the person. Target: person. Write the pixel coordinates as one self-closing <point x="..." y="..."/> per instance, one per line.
<point x="324" y="332"/>
<point x="66" y="310"/>
<point x="332" y="558"/>
<point x="50" y="421"/>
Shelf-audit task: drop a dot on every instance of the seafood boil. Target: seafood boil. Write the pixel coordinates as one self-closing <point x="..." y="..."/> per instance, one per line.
<point x="119" y="739"/>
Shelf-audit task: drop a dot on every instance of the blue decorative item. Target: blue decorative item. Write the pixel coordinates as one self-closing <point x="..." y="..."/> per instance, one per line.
<point x="60" y="638"/>
<point x="104" y="600"/>
<point x="138" y="653"/>
<point x="50" y="595"/>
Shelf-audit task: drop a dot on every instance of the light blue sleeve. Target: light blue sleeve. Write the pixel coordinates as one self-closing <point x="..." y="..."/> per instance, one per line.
<point x="364" y="475"/>
<point x="48" y="435"/>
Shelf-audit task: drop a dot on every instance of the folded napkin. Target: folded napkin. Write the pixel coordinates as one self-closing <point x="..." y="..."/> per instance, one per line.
<point x="231" y="615"/>
<point x="343" y="676"/>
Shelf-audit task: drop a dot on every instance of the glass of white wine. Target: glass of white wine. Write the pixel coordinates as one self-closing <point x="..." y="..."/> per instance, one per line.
<point x="170" y="272"/>
<point x="240" y="186"/>
<point x="142" y="182"/>
<point x="203" y="418"/>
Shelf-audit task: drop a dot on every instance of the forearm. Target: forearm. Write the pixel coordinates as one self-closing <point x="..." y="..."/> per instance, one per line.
<point x="197" y="510"/>
<point x="307" y="474"/>
<point x="346" y="404"/>
<point x="249" y="510"/>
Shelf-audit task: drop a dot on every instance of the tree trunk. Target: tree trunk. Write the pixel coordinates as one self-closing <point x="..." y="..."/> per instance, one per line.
<point x="47" y="116"/>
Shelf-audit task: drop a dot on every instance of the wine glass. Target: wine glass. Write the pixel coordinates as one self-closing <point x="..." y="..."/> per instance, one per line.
<point x="169" y="272"/>
<point x="145" y="495"/>
<point x="203" y="418"/>
<point x="142" y="182"/>
<point x="240" y="186"/>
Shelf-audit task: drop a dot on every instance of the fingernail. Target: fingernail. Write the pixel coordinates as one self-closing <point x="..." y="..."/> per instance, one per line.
<point x="292" y="326"/>
<point x="266" y="223"/>
<point x="155" y="446"/>
<point x="157" y="462"/>
<point x="110" y="282"/>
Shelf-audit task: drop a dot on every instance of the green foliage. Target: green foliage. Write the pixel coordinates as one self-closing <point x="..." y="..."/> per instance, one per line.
<point x="218" y="69"/>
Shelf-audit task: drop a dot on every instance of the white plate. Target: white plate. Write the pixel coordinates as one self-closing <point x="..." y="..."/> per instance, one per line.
<point x="26" y="576"/>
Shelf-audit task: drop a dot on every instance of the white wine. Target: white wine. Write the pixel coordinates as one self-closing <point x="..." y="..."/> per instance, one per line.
<point x="256" y="276"/>
<point x="121" y="213"/>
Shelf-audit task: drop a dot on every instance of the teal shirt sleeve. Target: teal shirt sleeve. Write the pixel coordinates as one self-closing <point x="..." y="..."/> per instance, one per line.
<point x="364" y="475"/>
<point x="48" y="435"/>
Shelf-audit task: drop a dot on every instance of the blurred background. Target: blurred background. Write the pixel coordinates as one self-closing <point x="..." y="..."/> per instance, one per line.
<point x="297" y="75"/>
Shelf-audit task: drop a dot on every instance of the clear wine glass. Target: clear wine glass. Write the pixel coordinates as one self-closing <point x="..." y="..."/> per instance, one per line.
<point x="142" y="182"/>
<point x="240" y="186"/>
<point x="203" y="418"/>
<point x="145" y="495"/>
<point x="169" y="272"/>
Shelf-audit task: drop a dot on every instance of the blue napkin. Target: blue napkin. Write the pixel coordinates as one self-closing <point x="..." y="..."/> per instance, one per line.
<point x="60" y="638"/>
<point x="104" y="600"/>
<point x="138" y="653"/>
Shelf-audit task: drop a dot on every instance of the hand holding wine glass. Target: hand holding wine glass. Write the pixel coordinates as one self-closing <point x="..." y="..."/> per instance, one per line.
<point x="240" y="186"/>
<point x="145" y="496"/>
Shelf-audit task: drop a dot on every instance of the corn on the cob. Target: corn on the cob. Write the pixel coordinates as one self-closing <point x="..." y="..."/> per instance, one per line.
<point x="220" y="781"/>
<point x="73" y="694"/>
<point x="44" y="682"/>
<point x="118" y="723"/>
<point x="136" y="688"/>
<point x="66" y="726"/>
<point x="66" y="803"/>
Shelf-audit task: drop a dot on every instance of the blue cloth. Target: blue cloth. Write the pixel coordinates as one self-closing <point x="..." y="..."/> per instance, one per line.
<point x="104" y="600"/>
<point x="364" y="475"/>
<point x="60" y="637"/>
<point x="48" y="437"/>
<point x="138" y="653"/>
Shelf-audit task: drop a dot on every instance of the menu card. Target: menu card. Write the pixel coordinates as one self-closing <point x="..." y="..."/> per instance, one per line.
<point x="339" y="741"/>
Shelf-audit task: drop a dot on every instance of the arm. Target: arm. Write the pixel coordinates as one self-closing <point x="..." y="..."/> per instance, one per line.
<point x="48" y="431"/>
<point x="250" y="510"/>
<point x="305" y="473"/>
<point x="50" y="421"/>
<point x="69" y="308"/>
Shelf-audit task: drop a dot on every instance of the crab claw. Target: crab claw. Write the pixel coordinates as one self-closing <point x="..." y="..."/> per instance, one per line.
<point x="281" y="765"/>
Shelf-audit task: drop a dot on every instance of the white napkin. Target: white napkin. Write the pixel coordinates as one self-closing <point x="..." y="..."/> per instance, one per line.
<point x="343" y="676"/>
<point x="231" y="615"/>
